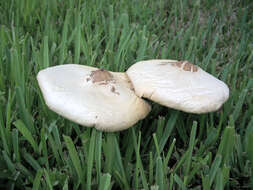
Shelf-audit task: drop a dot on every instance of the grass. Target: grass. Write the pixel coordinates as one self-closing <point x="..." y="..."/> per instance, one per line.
<point x="167" y="150"/>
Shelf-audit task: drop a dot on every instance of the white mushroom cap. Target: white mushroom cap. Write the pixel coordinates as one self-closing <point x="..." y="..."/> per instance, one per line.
<point x="92" y="97"/>
<point x="179" y="85"/>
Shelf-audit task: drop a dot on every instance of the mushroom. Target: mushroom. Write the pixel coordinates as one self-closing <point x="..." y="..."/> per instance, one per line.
<point x="111" y="101"/>
<point x="179" y="85"/>
<point x="92" y="97"/>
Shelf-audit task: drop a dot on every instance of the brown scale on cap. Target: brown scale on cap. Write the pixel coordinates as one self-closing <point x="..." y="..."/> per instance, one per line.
<point x="179" y="64"/>
<point x="163" y="63"/>
<point x="113" y="90"/>
<point x="101" y="75"/>
<point x="187" y="66"/>
<point x="195" y="68"/>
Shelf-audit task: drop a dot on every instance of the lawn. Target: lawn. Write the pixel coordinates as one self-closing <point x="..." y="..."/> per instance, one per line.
<point x="169" y="149"/>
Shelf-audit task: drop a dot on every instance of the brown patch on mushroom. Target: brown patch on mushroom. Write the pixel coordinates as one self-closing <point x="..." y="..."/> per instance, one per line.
<point x="113" y="90"/>
<point x="163" y="63"/>
<point x="176" y="64"/>
<point x="130" y="83"/>
<point x="195" y="68"/>
<point x="187" y="66"/>
<point x="101" y="75"/>
<point x="103" y="83"/>
<point x="88" y="79"/>
<point x="179" y="64"/>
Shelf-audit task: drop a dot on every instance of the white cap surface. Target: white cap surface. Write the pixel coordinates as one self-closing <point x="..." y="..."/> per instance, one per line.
<point x="92" y="97"/>
<point x="178" y="84"/>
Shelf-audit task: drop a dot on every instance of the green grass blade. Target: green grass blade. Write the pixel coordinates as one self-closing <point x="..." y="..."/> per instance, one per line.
<point x="143" y="45"/>
<point x="241" y="100"/>
<point x="98" y="154"/>
<point x="77" y="39"/>
<point x="109" y="153"/>
<point x="120" y="164"/>
<point x="105" y="182"/>
<point x="36" y="182"/>
<point x="3" y="134"/>
<point x="91" y="158"/>
<point x="8" y="114"/>
<point x="66" y="186"/>
<point x="227" y="144"/>
<point x="48" y="181"/>
<point x="250" y="154"/>
<point x="8" y="161"/>
<point x="156" y="144"/>
<point x="15" y="141"/>
<point x="181" y="161"/>
<point x="25" y="115"/>
<point x="151" y="168"/>
<point x="27" y="134"/>
<point x="190" y="149"/>
<point x="219" y="180"/>
<point x="167" y="158"/>
<point x="54" y="147"/>
<point x="45" y="53"/>
<point x="160" y="174"/>
<point x="64" y="38"/>
<point x="211" y="52"/>
<point x="139" y="162"/>
<point x="168" y="129"/>
<point x="74" y="157"/>
<point x="44" y="146"/>
<point x="179" y="182"/>
<point x="214" y="168"/>
<point x="31" y="161"/>
<point x="206" y="183"/>
<point x="171" y="181"/>
<point x="57" y="140"/>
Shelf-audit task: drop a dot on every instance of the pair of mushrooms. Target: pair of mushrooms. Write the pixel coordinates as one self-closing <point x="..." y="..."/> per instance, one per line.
<point x="111" y="101"/>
